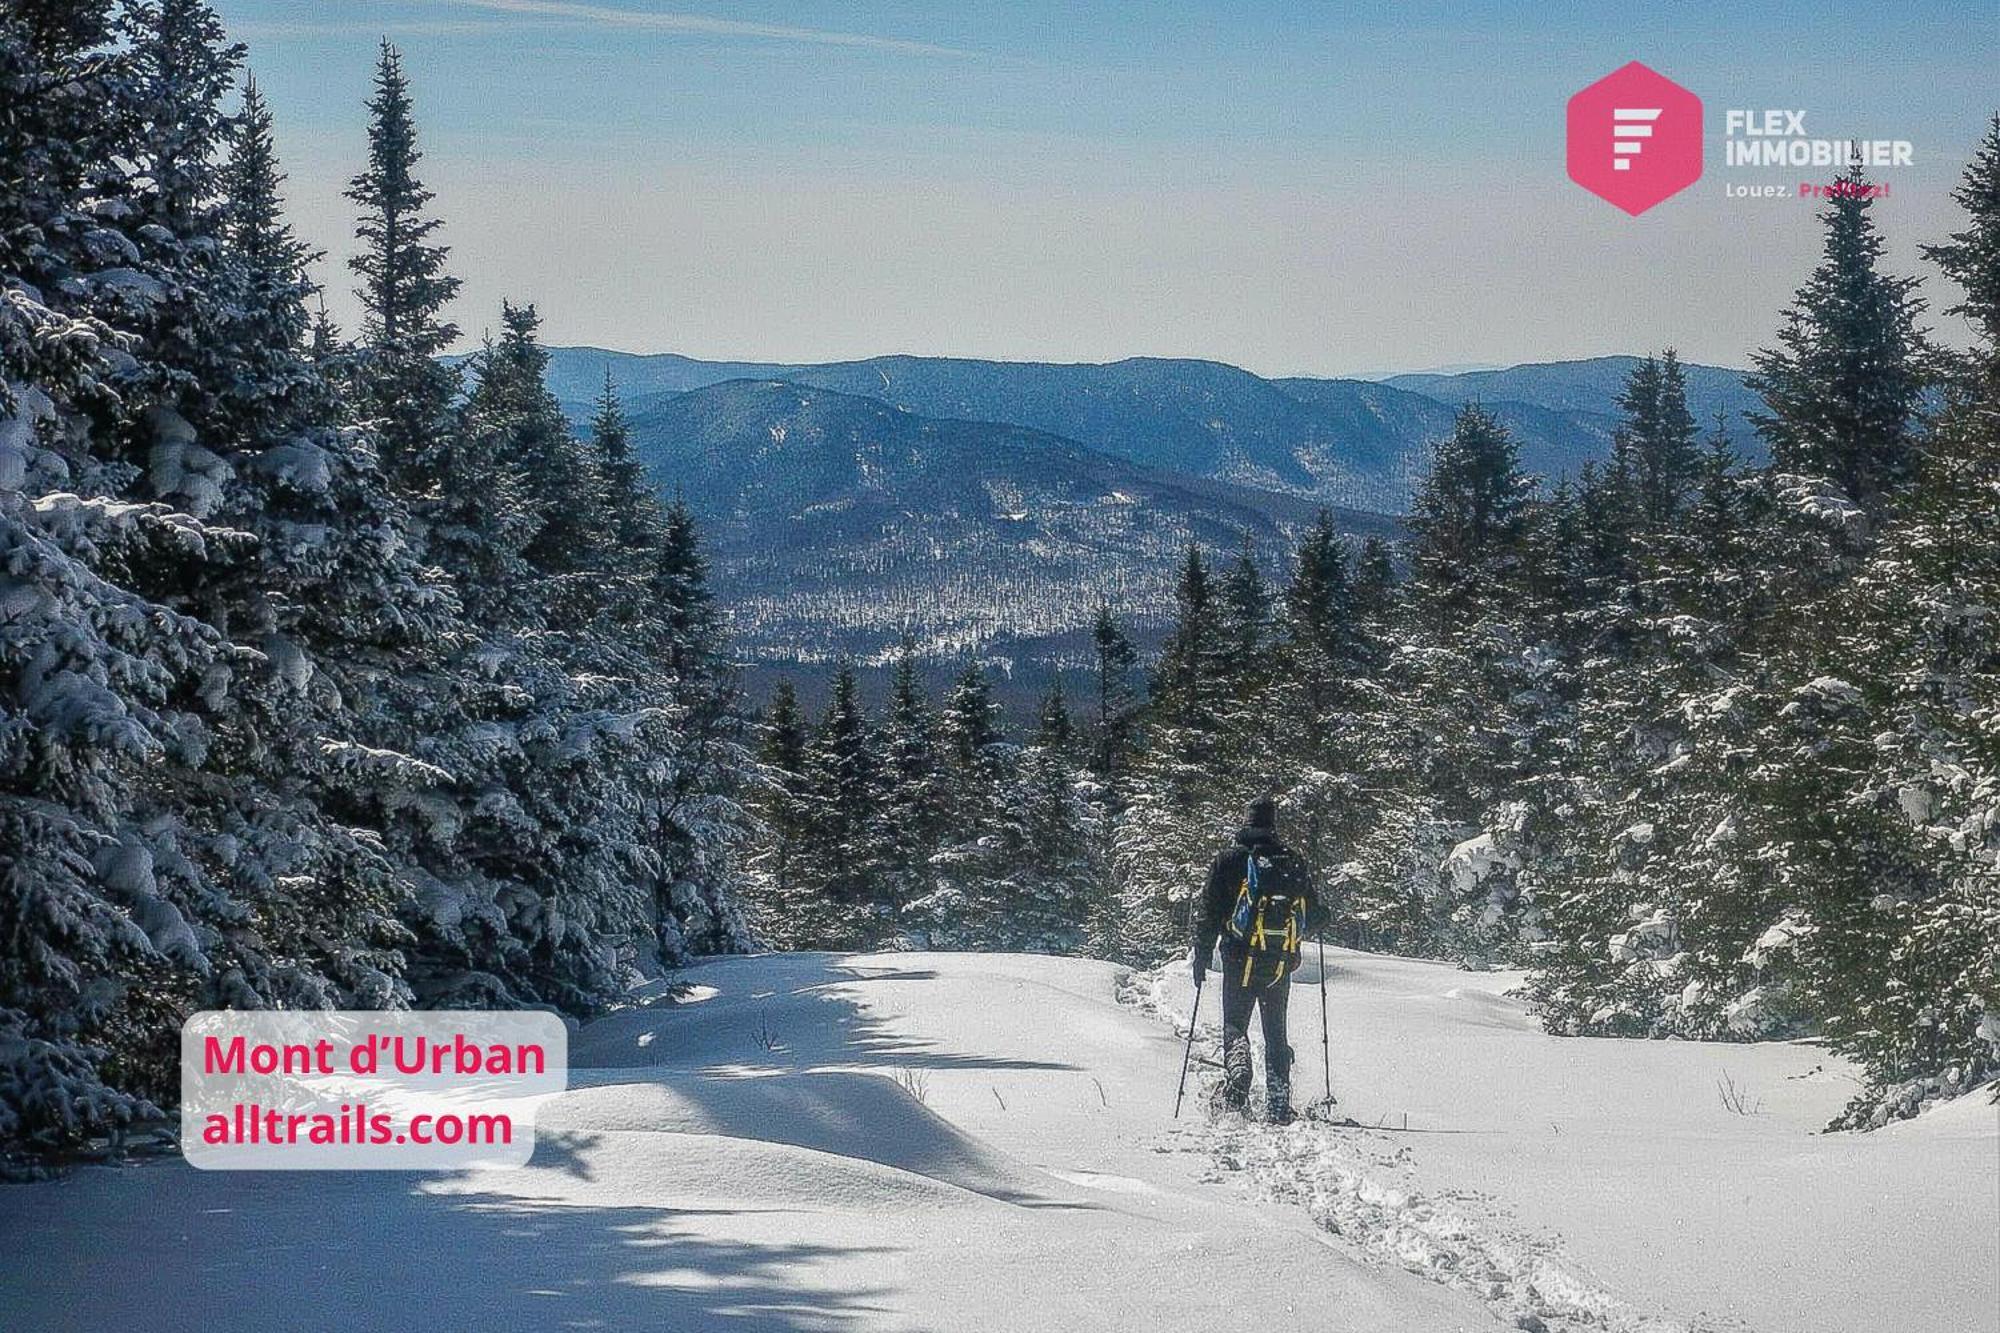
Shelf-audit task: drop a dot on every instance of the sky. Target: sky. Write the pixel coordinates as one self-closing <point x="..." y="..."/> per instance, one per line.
<point x="1322" y="188"/>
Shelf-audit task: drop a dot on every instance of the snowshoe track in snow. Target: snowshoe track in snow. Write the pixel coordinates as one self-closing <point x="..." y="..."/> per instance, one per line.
<point x="1353" y="1179"/>
<point x="1347" y="1178"/>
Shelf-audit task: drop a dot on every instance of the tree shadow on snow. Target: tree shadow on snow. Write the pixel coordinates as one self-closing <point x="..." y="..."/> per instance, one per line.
<point x="363" y="1252"/>
<point x="800" y="1013"/>
<point x="852" y="1085"/>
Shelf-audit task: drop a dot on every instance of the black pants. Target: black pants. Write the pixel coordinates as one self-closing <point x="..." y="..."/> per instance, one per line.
<point x="1268" y="999"/>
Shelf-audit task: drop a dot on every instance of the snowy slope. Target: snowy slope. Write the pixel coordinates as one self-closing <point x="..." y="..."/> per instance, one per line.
<point x="1615" y="1176"/>
<point x="943" y="1141"/>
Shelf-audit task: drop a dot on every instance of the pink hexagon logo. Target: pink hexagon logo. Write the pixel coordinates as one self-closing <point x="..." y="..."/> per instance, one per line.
<point x="1635" y="138"/>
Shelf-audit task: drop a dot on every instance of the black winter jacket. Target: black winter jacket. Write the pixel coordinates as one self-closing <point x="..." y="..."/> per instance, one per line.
<point x="1225" y="876"/>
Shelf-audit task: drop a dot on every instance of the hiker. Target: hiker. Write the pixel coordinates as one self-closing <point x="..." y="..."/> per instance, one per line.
<point x="1260" y="902"/>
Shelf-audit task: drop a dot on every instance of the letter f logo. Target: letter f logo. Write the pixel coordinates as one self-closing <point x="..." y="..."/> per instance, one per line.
<point x="1635" y="138"/>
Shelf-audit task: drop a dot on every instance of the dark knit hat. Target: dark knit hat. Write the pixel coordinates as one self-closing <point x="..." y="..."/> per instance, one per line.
<point x="1264" y="813"/>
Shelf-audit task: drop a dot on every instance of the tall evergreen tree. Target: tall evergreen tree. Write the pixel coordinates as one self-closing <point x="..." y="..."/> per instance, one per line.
<point x="628" y="491"/>
<point x="1192" y="670"/>
<point x="1313" y="701"/>
<point x="679" y="586"/>
<point x="1971" y="258"/>
<point x="1115" y="705"/>
<point x="1190" y="784"/>
<point x="1656" y="446"/>
<point x="916" y="808"/>
<point x="272" y="325"/>
<point x="404" y="290"/>
<point x="778" y="798"/>
<point x="1899" y="963"/>
<point x="1477" y="658"/>
<point x="971" y="721"/>
<point x="1841" y="389"/>
<point x="561" y="501"/>
<point x="840" y="851"/>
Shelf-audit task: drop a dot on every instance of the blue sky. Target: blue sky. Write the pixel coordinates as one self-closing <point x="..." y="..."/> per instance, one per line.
<point x="1295" y="188"/>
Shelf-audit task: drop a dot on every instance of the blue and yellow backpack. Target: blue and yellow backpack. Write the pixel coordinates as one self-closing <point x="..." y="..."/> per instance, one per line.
<point x="1268" y="919"/>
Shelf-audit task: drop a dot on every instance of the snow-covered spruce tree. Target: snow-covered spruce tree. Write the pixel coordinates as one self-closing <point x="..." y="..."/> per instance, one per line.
<point x="595" y="744"/>
<point x="1186" y="789"/>
<point x="774" y="895"/>
<point x="967" y="902"/>
<point x="628" y="493"/>
<point x="166" y="833"/>
<point x="1312" y="696"/>
<point x="1350" y="796"/>
<point x="916" y="807"/>
<point x="1246" y="612"/>
<point x="1472" y="661"/>
<point x="1843" y="397"/>
<point x="1841" y="388"/>
<point x="683" y="651"/>
<point x="562" y="494"/>
<point x="1654" y="903"/>
<point x="1115" y="704"/>
<point x="1112" y="733"/>
<point x="583" y="721"/>
<point x="842" y="899"/>
<point x="679" y="586"/>
<point x="1602" y="535"/>
<point x="1905" y="968"/>
<point x="1050" y="887"/>
<point x="1656" y="449"/>
<point x="407" y="392"/>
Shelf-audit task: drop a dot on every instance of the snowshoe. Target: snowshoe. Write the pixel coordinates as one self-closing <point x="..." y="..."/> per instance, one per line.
<point x="1326" y="1111"/>
<point x="1222" y="1101"/>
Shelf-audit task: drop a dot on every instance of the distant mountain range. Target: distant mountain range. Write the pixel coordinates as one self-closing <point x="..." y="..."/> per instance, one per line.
<point x="1358" y="443"/>
<point x="838" y="522"/>
<point x="987" y="506"/>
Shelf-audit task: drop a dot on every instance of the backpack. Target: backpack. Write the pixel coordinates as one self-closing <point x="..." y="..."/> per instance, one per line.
<point x="1268" y="918"/>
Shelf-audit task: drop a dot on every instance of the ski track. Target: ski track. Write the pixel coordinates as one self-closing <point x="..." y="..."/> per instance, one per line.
<point x="1358" y="1184"/>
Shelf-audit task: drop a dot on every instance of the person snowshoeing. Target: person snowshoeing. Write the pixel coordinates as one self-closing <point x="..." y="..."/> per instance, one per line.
<point x="1261" y="904"/>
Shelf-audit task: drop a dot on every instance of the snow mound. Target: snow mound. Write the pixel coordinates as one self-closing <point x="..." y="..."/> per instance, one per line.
<point x="863" y="1116"/>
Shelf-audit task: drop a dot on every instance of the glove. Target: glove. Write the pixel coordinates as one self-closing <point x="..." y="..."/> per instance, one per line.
<point x="1198" y="964"/>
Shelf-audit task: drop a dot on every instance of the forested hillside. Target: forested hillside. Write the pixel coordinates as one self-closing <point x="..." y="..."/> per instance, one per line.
<point x="839" y="524"/>
<point x="322" y="683"/>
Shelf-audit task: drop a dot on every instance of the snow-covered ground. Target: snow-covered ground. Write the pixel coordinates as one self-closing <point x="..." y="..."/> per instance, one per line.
<point x="951" y="1141"/>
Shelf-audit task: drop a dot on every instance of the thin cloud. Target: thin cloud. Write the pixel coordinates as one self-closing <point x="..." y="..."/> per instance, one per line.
<point x="704" y="26"/>
<point x="260" y="30"/>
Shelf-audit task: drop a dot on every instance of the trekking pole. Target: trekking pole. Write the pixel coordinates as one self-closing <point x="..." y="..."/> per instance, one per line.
<point x="1325" y="1042"/>
<point x="1188" y="1054"/>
